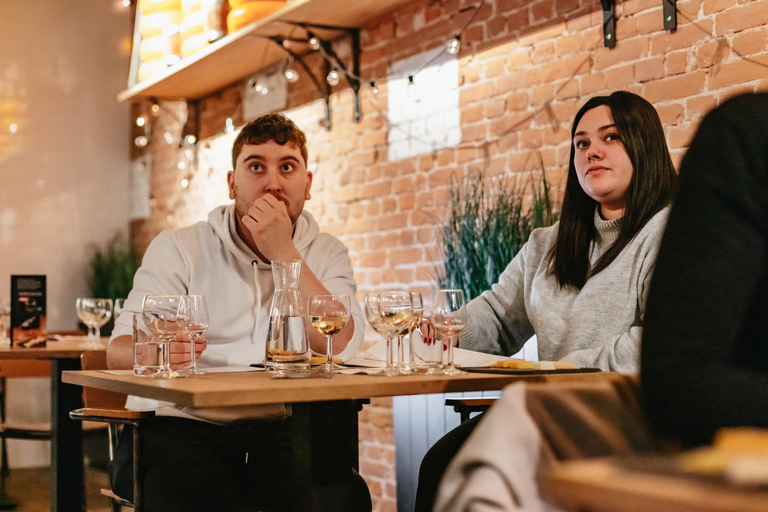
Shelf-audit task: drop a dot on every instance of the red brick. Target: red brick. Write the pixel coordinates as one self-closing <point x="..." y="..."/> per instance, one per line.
<point x="542" y="10"/>
<point x="493" y="108"/>
<point x="685" y="37"/>
<point x="630" y="7"/>
<point x="680" y="136"/>
<point x="542" y="52"/>
<point x="371" y="260"/>
<point x="396" y="221"/>
<point x="650" y="21"/>
<point x="742" y="17"/>
<point x="676" y="63"/>
<point x="674" y="88"/>
<point x="649" y="69"/>
<point x="403" y="257"/>
<point x="496" y="26"/>
<point x="751" y="41"/>
<point x="697" y="107"/>
<point x="671" y="115"/>
<point x="712" y="53"/>
<point x="738" y="72"/>
<point x="712" y="6"/>
<point x="543" y="34"/>
<point x="566" y="6"/>
<point x="565" y="68"/>
<point x="446" y="157"/>
<point x="626" y="28"/>
<point x="625" y="51"/>
<point x="494" y="68"/>
<point x="473" y="93"/>
<point x="592" y="83"/>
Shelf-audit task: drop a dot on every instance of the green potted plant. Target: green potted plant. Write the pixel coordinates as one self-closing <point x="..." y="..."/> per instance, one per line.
<point x="488" y="219"/>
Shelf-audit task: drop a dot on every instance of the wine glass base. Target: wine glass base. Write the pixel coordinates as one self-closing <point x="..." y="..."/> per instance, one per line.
<point x="452" y="370"/>
<point x="327" y="369"/>
<point x="386" y="372"/>
<point x="187" y="372"/>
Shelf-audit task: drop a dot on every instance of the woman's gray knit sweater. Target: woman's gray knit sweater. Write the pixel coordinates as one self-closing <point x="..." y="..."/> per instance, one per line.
<point x="598" y="326"/>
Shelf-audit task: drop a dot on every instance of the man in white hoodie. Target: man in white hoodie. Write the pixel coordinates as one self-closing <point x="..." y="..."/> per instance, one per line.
<point x="228" y="259"/>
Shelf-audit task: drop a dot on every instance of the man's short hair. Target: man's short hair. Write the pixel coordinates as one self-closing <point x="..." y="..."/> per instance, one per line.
<point x="270" y="127"/>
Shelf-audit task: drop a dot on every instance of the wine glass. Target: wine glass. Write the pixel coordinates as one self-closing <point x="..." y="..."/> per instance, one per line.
<point x="193" y="311"/>
<point x="94" y="313"/>
<point x="449" y="317"/>
<point x="388" y="313"/>
<point x="162" y="316"/>
<point x="329" y="314"/>
<point x="418" y="313"/>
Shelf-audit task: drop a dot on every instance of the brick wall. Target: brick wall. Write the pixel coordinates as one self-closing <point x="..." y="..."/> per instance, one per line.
<point x="524" y="69"/>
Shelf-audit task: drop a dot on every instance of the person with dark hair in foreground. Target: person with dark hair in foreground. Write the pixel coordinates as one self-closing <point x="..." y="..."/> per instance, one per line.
<point x="581" y="284"/>
<point x="704" y="362"/>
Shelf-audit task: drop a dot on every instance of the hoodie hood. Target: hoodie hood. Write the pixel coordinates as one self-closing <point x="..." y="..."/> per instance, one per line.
<point x="224" y="223"/>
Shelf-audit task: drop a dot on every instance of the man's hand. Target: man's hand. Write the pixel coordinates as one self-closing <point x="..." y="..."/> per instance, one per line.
<point x="180" y="350"/>
<point x="271" y="228"/>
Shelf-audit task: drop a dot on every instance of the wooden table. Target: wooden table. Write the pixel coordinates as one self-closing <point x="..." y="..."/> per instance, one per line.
<point x="67" y="473"/>
<point x="603" y="485"/>
<point x="321" y="412"/>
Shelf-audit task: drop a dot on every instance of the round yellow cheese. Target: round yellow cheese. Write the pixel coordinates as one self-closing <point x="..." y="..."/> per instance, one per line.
<point x="151" y="68"/>
<point x="152" y="25"/>
<point x="192" y="44"/>
<point x="250" y="12"/>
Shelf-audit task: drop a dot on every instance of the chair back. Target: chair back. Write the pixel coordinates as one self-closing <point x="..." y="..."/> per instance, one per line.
<point x="11" y="368"/>
<point x="99" y="398"/>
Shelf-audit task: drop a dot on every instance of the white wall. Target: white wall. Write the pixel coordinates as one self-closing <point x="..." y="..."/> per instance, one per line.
<point x="64" y="173"/>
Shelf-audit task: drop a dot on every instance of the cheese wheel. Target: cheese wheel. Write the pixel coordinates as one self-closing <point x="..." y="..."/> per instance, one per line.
<point x="190" y="6"/>
<point x="191" y="25"/>
<point x="150" y="6"/>
<point x="151" y="68"/>
<point x="152" y="25"/>
<point x="159" y="47"/>
<point x="193" y="43"/>
<point x="236" y="4"/>
<point x="251" y="12"/>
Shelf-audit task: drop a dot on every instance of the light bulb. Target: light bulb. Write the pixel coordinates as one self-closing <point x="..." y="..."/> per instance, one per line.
<point x="230" y="127"/>
<point x="191" y="139"/>
<point x="454" y="46"/>
<point x="184" y="183"/>
<point x="126" y="3"/>
<point x="286" y="43"/>
<point x="182" y="165"/>
<point x="291" y="75"/>
<point x="169" y="137"/>
<point x="333" y="77"/>
<point x="264" y="90"/>
<point x="13" y="128"/>
<point x="314" y="43"/>
<point x="155" y="108"/>
<point x="141" y="121"/>
<point x="410" y="81"/>
<point x="188" y="153"/>
<point x="141" y="141"/>
<point x="374" y="89"/>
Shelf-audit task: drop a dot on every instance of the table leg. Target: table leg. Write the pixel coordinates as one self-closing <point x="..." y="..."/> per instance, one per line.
<point x="67" y="473"/>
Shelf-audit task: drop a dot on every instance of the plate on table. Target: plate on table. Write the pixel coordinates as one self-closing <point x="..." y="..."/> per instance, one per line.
<point x="525" y="371"/>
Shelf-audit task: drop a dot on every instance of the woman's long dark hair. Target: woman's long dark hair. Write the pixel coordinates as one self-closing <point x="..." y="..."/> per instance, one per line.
<point x="650" y="189"/>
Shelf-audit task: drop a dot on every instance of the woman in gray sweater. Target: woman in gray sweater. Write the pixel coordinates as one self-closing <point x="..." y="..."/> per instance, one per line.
<point x="581" y="284"/>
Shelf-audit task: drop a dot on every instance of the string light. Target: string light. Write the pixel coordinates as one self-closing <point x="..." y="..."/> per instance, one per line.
<point x="314" y="42"/>
<point x="188" y="153"/>
<point x="333" y="77"/>
<point x="230" y="127"/>
<point x="291" y="75"/>
<point x="454" y="46"/>
<point x="141" y="141"/>
<point x="374" y="89"/>
<point x="155" y="108"/>
<point x="191" y="139"/>
<point x="152" y="201"/>
<point x="169" y="137"/>
<point x="141" y="120"/>
<point x="261" y="88"/>
<point x="126" y="3"/>
<point x="181" y="165"/>
<point x="13" y="128"/>
<point x="184" y="183"/>
<point x="410" y="81"/>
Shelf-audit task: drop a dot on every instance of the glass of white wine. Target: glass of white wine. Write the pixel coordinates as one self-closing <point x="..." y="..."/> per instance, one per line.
<point x="449" y="317"/>
<point x="193" y="311"/>
<point x="329" y="314"/>
<point x="389" y="313"/>
<point x="409" y="366"/>
<point x="94" y="313"/>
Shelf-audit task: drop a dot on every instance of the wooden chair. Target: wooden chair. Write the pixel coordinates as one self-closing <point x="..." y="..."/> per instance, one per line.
<point x="466" y="406"/>
<point x="107" y="407"/>
<point x="40" y="431"/>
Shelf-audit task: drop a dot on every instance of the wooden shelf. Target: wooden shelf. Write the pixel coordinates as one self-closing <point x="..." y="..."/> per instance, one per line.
<point x="243" y="53"/>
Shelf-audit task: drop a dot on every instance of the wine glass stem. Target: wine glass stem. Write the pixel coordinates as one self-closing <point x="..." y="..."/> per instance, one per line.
<point x="400" y="352"/>
<point x="193" y="365"/>
<point x="450" y="352"/>
<point x="329" y="354"/>
<point x="97" y="334"/>
<point x="389" y="354"/>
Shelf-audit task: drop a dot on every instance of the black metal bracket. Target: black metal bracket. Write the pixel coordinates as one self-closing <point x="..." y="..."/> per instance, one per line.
<point x="669" y="8"/>
<point x="609" y="23"/>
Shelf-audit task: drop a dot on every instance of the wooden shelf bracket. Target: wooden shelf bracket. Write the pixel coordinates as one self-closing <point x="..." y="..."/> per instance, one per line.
<point x="669" y="9"/>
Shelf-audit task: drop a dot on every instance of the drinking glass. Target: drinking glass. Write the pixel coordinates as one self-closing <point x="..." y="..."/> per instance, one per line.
<point x="388" y="313"/>
<point x="5" y="321"/>
<point x="329" y="314"/>
<point x="94" y="313"/>
<point x="193" y="312"/>
<point x="449" y="317"/>
<point x="163" y="319"/>
<point x="418" y="313"/>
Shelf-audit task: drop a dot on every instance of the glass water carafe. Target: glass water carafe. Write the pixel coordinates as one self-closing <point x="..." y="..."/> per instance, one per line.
<point x="287" y="352"/>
